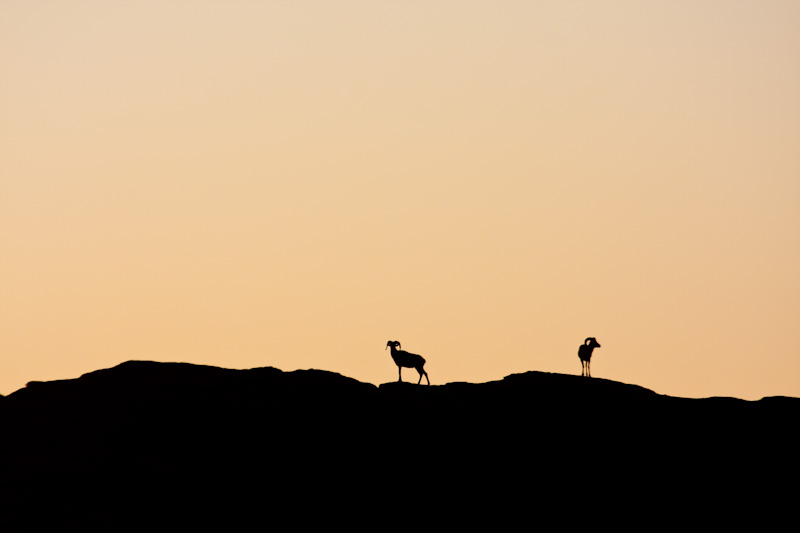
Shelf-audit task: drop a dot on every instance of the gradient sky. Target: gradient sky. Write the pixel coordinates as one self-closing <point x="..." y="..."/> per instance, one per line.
<point x="293" y="183"/>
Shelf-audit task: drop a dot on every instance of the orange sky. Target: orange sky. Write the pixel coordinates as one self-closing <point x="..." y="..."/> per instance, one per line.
<point x="292" y="184"/>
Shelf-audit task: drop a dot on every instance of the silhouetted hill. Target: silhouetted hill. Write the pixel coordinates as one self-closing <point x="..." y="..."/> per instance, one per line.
<point x="181" y="445"/>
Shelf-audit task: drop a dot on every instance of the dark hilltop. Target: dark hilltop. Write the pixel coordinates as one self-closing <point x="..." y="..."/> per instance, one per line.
<point x="166" y="446"/>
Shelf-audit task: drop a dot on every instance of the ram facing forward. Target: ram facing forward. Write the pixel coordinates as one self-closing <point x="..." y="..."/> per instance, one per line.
<point x="585" y="354"/>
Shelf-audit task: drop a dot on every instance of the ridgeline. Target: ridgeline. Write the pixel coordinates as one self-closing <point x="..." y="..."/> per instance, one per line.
<point x="176" y="445"/>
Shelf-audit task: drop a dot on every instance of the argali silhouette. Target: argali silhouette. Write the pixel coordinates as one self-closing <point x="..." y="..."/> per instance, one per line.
<point x="408" y="360"/>
<point x="585" y="354"/>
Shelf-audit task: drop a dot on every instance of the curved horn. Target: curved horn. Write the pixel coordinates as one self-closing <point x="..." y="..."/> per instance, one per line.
<point x="398" y="344"/>
<point x="587" y="340"/>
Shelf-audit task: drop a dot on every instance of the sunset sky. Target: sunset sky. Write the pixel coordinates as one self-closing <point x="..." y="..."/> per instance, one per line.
<point x="294" y="183"/>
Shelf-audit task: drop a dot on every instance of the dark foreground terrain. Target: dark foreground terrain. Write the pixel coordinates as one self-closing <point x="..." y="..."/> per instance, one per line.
<point x="175" y="446"/>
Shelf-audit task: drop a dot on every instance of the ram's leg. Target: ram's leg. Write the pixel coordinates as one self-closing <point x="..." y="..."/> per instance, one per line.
<point x="399" y="374"/>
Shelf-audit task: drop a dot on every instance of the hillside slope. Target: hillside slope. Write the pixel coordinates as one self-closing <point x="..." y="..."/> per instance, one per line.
<point x="187" y="444"/>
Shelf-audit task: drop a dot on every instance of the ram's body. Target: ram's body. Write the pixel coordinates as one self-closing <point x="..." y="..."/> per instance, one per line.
<point x="408" y="360"/>
<point x="585" y="355"/>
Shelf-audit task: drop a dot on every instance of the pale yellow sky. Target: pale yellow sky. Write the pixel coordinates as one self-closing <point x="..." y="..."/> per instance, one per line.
<point x="292" y="184"/>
